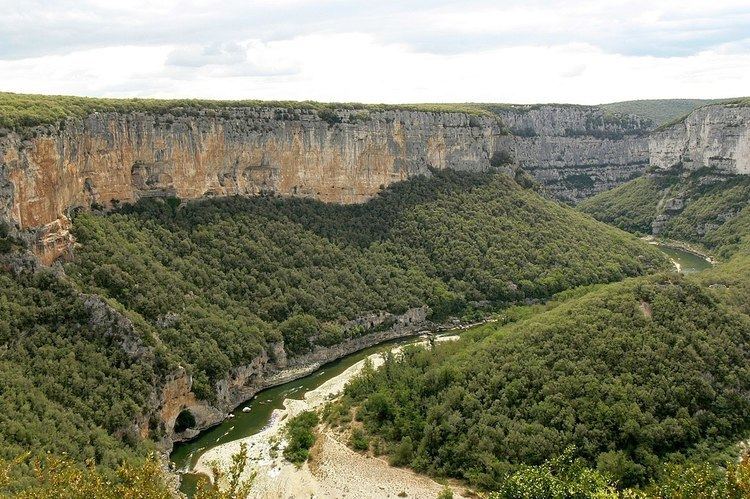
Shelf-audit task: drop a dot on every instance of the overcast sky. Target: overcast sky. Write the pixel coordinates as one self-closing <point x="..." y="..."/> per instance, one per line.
<point x="378" y="51"/>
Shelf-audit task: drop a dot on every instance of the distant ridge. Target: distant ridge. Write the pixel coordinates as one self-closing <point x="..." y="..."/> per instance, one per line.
<point x="660" y="111"/>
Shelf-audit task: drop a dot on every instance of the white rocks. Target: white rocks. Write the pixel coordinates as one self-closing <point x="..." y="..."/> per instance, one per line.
<point x="716" y="137"/>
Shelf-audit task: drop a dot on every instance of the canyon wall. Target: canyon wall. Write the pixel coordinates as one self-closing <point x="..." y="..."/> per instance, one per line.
<point x="107" y="159"/>
<point x="271" y="368"/>
<point x="716" y="137"/>
<point x="343" y="156"/>
<point x="575" y="151"/>
<point x="710" y="146"/>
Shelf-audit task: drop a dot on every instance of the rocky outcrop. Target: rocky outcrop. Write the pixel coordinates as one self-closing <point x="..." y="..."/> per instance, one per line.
<point x="715" y="137"/>
<point x="343" y="156"/>
<point x="575" y="151"/>
<point x="271" y="368"/>
<point x="709" y="146"/>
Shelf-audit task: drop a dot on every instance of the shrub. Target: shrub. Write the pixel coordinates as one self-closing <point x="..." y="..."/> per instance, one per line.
<point x="329" y="116"/>
<point x="404" y="452"/>
<point x="359" y="440"/>
<point x="501" y="158"/>
<point x="300" y="435"/>
<point x="446" y="493"/>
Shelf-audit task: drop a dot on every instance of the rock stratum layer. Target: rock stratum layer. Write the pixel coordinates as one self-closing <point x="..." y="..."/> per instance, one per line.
<point x="344" y="156"/>
<point x="576" y="151"/>
<point x="716" y="137"/>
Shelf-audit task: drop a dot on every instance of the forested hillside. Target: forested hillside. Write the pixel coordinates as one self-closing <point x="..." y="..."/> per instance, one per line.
<point x="703" y="208"/>
<point x="234" y="273"/>
<point x="67" y="385"/>
<point x="641" y="384"/>
<point x="631" y="377"/>
<point x="208" y="284"/>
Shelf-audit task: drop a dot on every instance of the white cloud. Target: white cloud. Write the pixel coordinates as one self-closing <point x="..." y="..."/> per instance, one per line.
<point x="418" y="51"/>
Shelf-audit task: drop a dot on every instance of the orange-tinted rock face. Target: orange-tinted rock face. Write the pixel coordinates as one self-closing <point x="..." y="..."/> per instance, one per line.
<point x="107" y="159"/>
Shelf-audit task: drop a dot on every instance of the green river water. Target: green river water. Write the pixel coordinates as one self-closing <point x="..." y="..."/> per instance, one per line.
<point x="689" y="263"/>
<point x="185" y="455"/>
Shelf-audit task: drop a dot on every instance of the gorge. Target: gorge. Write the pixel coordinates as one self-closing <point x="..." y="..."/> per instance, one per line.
<point x="185" y="257"/>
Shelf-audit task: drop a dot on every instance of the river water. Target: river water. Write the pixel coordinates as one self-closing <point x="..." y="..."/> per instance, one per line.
<point x="690" y="263"/>
<point x="186" y="454"/>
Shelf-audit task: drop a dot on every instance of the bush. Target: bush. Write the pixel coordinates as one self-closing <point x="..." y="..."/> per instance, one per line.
<point x="359" y="440"/>
<point x="297" y="332"/>
<point x="329" y="116"/>
<point x="300" y="436"/>
<point x="404" y="452"/>
<point x="446" y="493"/>
<point x="501" y="158"/>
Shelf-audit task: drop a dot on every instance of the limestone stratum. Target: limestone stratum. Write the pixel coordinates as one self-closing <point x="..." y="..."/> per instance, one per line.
<point x="333" y="154"/>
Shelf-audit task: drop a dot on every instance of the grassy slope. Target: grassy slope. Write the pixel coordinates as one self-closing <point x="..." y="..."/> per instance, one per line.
<point x="660" y="111"/>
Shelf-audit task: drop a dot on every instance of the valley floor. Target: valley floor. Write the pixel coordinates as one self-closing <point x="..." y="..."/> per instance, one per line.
<point x="333" y="469"/>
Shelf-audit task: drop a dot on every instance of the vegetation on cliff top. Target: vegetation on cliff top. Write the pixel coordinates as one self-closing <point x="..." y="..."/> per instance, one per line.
<point x="24" y="110"/>
<point x="659" y="111"/>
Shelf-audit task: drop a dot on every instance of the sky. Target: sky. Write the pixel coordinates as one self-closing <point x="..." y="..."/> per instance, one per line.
<point x="575" y="51"/>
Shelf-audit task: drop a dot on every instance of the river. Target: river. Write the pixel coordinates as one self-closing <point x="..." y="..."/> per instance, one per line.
<point x="185" y="455"/>
<point x="689" y="263"/>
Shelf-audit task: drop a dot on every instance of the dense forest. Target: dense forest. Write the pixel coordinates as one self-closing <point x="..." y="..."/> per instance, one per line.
<point x="713" y="211"/>
<point x="642" y="384"/>
<point x="631" y="375"/>
<point x="209" y="284"/>
<point x="67" y="385"/>
<point x="222" y="278"/>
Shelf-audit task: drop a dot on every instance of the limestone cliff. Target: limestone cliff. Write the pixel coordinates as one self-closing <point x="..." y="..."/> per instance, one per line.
<point x="575" y="151"/>
<point x="343" y="156"/>
<point x="106" y="159"/>
<point x="715" y="137"/>
<point x="269" y="369"/>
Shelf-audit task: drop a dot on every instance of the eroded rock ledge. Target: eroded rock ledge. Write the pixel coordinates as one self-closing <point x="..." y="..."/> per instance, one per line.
<point x="714" y="137"/>
<point x="270" y="369"/>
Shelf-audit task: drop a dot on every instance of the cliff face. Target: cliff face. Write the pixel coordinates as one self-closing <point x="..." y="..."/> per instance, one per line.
<point x="575" y="151"/>
<point x="267" y="370"/>
<point x="107" y="159"/>
<point x="715" y="137"/>
<point x="111" y="158"/>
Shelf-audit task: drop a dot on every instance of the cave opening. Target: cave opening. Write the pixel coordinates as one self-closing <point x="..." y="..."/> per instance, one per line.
<point x="185" y="420"/>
